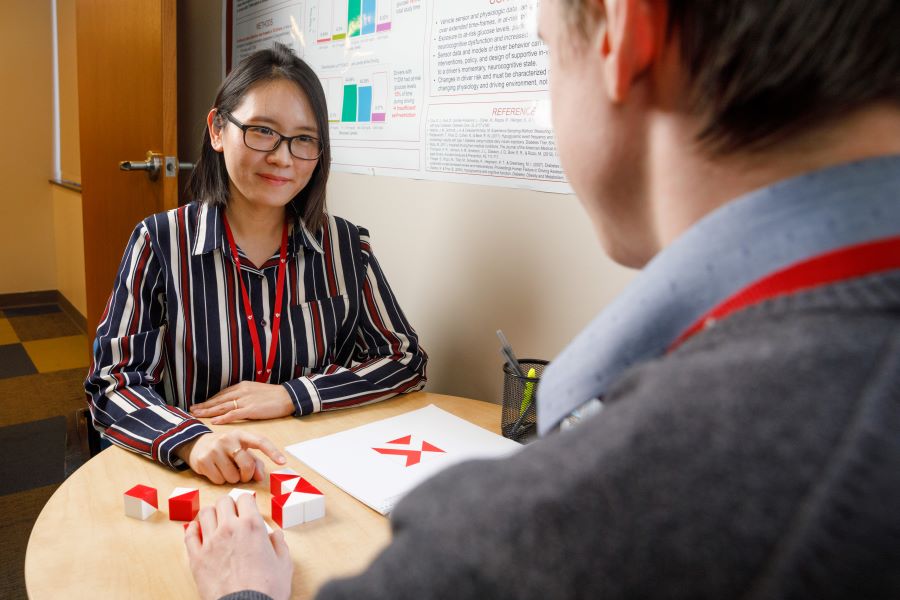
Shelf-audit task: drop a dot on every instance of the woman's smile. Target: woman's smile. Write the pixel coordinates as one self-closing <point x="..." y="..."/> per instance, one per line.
<point x="275" y="180"/>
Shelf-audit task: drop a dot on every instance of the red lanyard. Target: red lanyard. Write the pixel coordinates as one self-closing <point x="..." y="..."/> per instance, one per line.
<point x="262" y="372"/>
<point x="832" y="267"/>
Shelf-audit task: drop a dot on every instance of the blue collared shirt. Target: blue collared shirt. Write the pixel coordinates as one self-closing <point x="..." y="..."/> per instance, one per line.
<point x="730" y="248"/>
<point x="174" y="331"/>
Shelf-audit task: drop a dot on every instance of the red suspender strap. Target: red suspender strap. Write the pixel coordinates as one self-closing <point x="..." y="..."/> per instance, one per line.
<point x="838" y="265"/>
<point x="263" y="369"/>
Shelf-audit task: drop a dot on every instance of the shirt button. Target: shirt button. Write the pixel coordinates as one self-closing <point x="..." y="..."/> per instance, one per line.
<point x="263" y="323"/>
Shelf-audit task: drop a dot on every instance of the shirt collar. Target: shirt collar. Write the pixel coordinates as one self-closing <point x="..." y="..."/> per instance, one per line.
<point x="735" y="245"/>
<point x="303" y="236"/>
<point x="210" y="234"/>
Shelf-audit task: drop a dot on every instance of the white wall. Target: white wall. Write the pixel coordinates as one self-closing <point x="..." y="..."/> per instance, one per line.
<point x="465" y="260"/>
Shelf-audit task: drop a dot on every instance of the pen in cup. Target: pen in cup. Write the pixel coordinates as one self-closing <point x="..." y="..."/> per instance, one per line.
<point x="507" y="351"/>
<point x="529" y="391"/>
<point x="526" y="401"/>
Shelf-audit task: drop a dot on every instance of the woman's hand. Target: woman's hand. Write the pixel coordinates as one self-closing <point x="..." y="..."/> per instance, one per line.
<point x="222" y="457"/>
<point x="246" y="400"/>
<point x="229" y="551"/>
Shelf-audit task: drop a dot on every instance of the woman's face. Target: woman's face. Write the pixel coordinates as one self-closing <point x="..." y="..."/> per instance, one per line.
<point x="266" y="178"/>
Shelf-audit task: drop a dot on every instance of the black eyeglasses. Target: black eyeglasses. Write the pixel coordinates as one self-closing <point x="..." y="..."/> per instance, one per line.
<point x="266" y="139"/>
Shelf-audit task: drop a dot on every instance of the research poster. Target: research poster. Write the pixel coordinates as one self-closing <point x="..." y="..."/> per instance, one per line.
<point x="450" y="90"/>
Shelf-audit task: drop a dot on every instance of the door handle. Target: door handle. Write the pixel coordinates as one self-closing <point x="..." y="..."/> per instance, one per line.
<point x="154" y="164"/>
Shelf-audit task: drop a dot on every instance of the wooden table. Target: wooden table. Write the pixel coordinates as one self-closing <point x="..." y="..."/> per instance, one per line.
<point x="83" y="545"/>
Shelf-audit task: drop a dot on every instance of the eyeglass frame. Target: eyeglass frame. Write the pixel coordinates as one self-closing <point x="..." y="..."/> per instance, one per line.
<point x="283" y="138"/>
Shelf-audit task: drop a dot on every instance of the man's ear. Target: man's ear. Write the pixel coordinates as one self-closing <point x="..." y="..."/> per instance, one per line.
<point x="214" y="124"/>
<point x="629" y="42"/>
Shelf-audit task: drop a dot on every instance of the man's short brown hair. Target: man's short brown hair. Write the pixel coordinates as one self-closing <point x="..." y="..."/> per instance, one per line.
<point x="761" y="71"/>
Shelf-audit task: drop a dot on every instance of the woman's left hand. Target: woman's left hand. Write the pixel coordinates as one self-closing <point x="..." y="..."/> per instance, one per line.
<point x="246" y="400"/>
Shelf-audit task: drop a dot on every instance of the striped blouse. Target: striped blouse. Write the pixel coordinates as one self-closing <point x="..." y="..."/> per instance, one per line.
<point x="174" y="331"/>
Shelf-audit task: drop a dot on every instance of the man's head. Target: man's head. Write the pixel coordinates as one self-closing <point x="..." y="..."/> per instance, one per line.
<point x="726" y="78"/>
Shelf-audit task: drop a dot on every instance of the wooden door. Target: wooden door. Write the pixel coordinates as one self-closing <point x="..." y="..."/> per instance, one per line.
<point x="127" y="95"/>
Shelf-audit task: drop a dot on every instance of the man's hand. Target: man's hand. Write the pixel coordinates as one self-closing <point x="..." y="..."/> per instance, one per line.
<point x="222" y="457"/>
<point x="246" y="400"/>
<point x="235" y="552"/>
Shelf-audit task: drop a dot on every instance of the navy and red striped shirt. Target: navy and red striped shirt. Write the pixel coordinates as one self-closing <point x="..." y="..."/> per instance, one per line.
<point x="174" y="331"/>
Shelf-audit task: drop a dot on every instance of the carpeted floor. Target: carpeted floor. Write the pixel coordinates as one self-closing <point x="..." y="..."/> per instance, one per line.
<point x="43" y="361"/>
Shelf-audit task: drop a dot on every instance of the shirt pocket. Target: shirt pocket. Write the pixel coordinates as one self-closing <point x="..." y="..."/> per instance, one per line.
<point x="319" y="333"/>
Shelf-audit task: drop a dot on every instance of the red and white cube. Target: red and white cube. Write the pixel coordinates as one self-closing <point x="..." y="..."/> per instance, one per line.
<point x="184" y="504"/>
<point x="236" y="493"/>
<point x="141" y="502"/>
<point x="283" y="481"/>
<point x="303" y="504"/>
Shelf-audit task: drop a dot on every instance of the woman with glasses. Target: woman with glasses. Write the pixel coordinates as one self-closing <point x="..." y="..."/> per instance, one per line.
<point x="251" y="302"/>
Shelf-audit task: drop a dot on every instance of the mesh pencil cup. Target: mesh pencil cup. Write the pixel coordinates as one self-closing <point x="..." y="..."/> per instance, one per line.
<point x="519" y="418"/>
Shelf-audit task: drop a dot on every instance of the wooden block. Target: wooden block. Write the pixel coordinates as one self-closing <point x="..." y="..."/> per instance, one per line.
<point x="184" y="504"/>
<point x="283" y="481"/>
<point x="141" y="502"/>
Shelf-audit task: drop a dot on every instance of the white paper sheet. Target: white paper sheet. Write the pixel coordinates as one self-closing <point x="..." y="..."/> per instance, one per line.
<point x="380" y="462"/>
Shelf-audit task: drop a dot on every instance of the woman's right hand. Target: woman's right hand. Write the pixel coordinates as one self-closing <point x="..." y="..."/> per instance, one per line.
<point x="226" y="457"/>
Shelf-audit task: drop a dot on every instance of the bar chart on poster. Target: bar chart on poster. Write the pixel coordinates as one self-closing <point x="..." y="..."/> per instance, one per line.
<point x="427" y="89"/>
<point x="336" y="20"/>
<point x="357" y="99"/>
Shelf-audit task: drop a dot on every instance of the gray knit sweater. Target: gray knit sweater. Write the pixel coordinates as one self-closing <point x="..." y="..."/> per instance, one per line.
<point x="759" y="460"/>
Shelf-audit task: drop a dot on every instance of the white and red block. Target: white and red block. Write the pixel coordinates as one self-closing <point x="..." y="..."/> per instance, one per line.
<point x="141" y="502"/>
<point x="236" y="493"/>
<point x="302" y="504"/>
<point x="184" y="504"/>
<point x="283" y="481"/>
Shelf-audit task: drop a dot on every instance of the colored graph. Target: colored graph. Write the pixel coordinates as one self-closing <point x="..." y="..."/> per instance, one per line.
<point x="342" y="19"/>
<point x="357" y="99"/>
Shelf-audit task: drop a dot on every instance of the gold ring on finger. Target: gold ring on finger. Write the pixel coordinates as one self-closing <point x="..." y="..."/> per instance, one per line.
<point x="234" y="452"/>
<point x="235" y="404"/>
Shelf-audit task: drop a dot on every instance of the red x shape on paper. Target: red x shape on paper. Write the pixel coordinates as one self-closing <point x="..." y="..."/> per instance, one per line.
<point x="413" y="456"/>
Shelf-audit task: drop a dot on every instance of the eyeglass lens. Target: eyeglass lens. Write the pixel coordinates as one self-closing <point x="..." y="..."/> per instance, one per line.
<point x="266" y="140"/>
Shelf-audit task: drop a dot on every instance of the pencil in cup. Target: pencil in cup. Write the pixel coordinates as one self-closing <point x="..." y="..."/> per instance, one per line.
<point x="519" y="414"/>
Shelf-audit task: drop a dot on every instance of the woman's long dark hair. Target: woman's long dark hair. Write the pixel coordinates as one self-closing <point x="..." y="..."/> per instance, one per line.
<point x="209" y="179"/>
